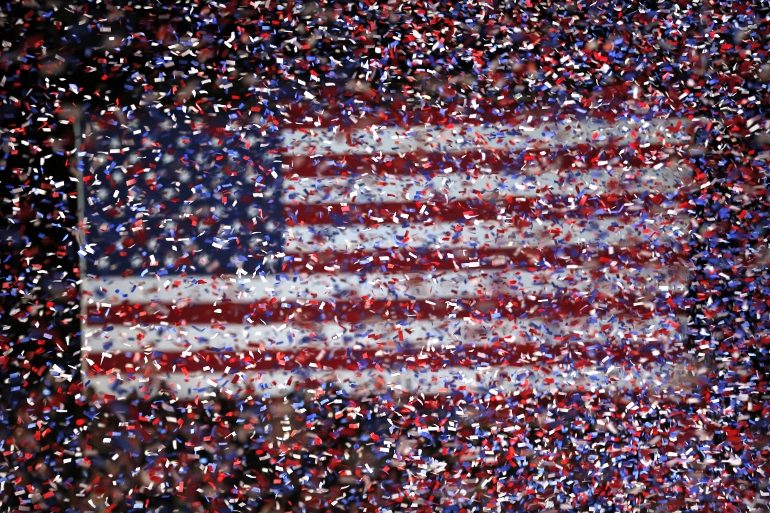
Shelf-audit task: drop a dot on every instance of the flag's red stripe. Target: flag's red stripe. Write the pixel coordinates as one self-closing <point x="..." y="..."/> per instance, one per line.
<point x="573" y="158"/>
<point x="273" y="311"/>
<point x="370" y="108"/>
<point x="513" y="211"/>
<point x="492" y="354"/>
<point x="398" y="260"/>
<point x="414" y="408"/>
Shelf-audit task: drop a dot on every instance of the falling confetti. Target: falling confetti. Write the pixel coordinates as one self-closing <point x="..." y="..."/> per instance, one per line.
<point x="378" y="256"/>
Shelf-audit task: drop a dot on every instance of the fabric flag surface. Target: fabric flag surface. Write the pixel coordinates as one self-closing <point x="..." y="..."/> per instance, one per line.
<point x="426" y="251"/>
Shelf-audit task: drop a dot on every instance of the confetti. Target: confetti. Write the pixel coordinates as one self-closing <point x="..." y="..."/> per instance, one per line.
<point x="381" y="256"/>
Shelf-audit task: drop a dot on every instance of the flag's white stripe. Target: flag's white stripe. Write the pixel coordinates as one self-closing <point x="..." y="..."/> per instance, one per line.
<point x="494" y="379"/>
<point x="322" y="286"/>
<point x="461" y="186"/>
<point x="373" y="140"/>
<point x="483" y="234"/>
<point x="593" y="327"/>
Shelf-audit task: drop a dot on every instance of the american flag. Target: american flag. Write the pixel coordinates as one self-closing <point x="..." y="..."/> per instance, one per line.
<point x="468" y="247"/>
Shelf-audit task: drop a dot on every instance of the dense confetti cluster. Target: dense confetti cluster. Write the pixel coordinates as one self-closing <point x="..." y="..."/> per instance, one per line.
<point x="162" y="123"/>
